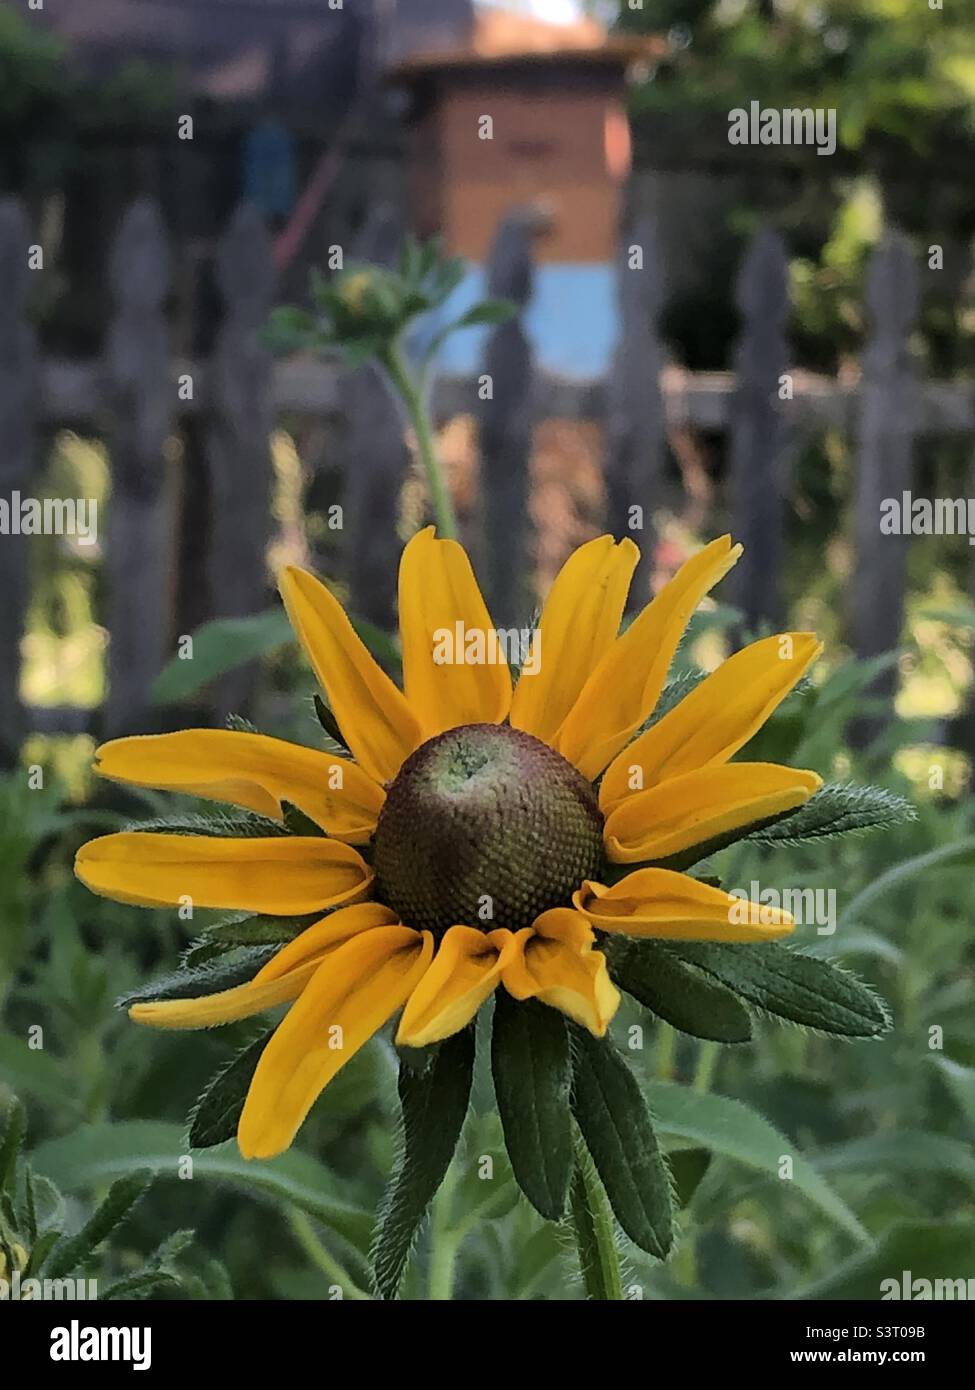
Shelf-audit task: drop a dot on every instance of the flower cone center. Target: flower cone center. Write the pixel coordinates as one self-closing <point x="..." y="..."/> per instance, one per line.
<point x="485" y="826"/>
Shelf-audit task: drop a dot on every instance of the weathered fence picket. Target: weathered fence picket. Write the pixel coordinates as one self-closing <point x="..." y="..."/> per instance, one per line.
<point x="138" y="556"/>
<point x="505" y="415"/>
<point x="758" y="432"/>
<point x="636" y="430"/>
<point x="887" y="427"/>
<point x="238" y="449"/>
<point x="374" y="456"/>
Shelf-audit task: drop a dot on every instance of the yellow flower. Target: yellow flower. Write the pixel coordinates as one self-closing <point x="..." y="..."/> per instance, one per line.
<point x="465" y="846"/>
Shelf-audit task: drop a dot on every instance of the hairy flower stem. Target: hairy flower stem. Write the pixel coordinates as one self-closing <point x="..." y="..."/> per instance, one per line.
<point x="414" y="400"/>
<point x="594" y="1230"/>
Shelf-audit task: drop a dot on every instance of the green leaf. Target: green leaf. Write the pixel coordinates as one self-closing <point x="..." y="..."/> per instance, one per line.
<point x="434" y="1105"/>
<point x="13" y="1140"/>
<point x="960" y="1082"/>
<point x="210" y="978"/>
<point x="901" y="1151"/>
<point x="837" y="810"/>
<point x="489" y="311"/>
<point x="677" y="993"/>
<point x="40" y="1250"/>
<point x="960" y="854"/>
<point x="725" y="1126"/>
<point x="36" y="1073"/>
<point x="814" y="993"/>
<point x="931" y="1250"/>
<point x="288" y="329"/>
<point x="220" y="825"/>
<point x="29" y="1206"/>
<point x="532" y="1067"/>
<point x="616" y="1125"/>
<point x="215" y="1115"/>
<point x="220" y="646"/>
<point x="94" y="1154"/>
<point x="148" y="1285"/>
<point x="69" y="1253"/>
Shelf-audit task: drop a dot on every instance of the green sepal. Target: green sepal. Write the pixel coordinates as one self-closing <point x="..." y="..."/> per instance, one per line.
<point x="677" y="993"/>
<point x="210" y="978"/>
<point x="237" y="724"/>
<point x="240" y="825"/>
<point x="833" y="810"/>
<point x="244" y="929"/>
<point x="336" y="743"/>
<point x="532" y="1066"/>
<point x="434" y="1105"/>
<point x="616" y="1125"/>
<point x="216" y="1114"/>
<point x="298" y="823"/>
<point x="814" y="993"/>
<point x="837" y="810"/>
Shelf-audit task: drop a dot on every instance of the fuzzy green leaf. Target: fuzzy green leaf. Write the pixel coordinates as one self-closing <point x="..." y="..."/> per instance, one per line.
<point x="532" y="1066"/>
<point x="297" y="823"/>
<point x="149" y="1284"/>
<point x="210" y="978"/>
<point x="814" y="993"/>
<point x="676" y="993"/>
<point x="216" y="1114"/>
<point x="244" y="929"/>
<point x="616" y="1125"/>
<point x="434" y="1105"/>
<point x="68" y="1254"/>
<point x="837" y="810"/>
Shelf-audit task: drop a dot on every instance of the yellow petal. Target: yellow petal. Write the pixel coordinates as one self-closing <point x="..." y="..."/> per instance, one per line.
<point x="332" y="931"/>
<point x="579" y="624"/>
<point x="441" y="611"/>
<point x="717" y="718"/>
<point x="553" y="961"/>
<point x="372" y="713"/>
<point x="287" y="876"/>
<point x="463" y="973"/>
<point x="210" y="1010"/>
<point x="624" y="687"/>
<point x="661" y="903"/>
<point x="700" y="806"/>
<point x="351" y="995"/>
<point x="250" y="770"/>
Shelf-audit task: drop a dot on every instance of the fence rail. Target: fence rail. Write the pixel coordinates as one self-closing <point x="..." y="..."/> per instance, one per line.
<point x="138" y="393"/>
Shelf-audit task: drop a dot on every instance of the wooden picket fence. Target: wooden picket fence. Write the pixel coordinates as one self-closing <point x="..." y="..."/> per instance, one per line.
<point x="135" y="395"/>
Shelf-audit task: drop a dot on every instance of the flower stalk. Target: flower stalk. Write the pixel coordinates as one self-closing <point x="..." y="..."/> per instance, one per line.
<point x="415" y="399"/>
<point x="593" y="1229"/>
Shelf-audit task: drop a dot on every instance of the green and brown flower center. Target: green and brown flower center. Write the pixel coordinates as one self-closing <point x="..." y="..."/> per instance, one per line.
<point x="485" y="826"/>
